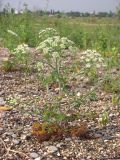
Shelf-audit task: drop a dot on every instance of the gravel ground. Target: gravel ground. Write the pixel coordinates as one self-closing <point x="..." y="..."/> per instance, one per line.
<point x="25" y="96"/>
<point x="15" y="127"/>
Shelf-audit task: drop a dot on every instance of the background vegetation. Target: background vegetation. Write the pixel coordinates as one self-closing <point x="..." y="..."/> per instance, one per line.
<point x="93" y="32"/>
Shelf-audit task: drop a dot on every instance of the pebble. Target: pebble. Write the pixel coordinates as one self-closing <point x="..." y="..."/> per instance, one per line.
<point x="1" y="93"/>
<point x="9" y="133"/>
<point x="78" y="94"/>
<point x="77" y="140"/>
<point x="97" y="135"/>
<point x="68" y="139"/>
<point x="2" y="102"/>
<point x="86" y="80"/>
<point x="52" y="149"/>
<point x="7" y="140"/>
<point x="58" y="154"/>
<point x="45" y="143"/>
<point x="107" y="138"/>
<point x="39" y="158"/>
<point x="23" y="137"/>
<point x="16" y="142"/>
<point x="59" y="145"/>
<point x="14" y="135"/>
<point x="34" y="155"/>
<point x="1" y="129"/>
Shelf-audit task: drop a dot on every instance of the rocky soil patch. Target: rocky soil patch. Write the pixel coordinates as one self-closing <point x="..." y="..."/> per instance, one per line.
<point x="26" y="97"/>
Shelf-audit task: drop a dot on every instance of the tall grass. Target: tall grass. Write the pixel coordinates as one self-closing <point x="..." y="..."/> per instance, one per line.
<point x="102" y="34"/>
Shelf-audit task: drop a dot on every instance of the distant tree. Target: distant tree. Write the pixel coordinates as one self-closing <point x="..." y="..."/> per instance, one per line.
<point x="7" y="8"/>
<point x="86" y="14"/>
<point x="12" y="10"/>
<point x="111" y="14"/>
<point x="102" y="14"/>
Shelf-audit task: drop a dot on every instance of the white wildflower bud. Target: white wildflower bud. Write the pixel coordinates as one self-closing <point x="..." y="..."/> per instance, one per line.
<point x="55" y="55"/>
<point x="87" y="60"/>
<point x="39" y="66"/>
<point x="13" y="33"/>
<point x="98" y="65"/>
<point x="62" y="46"/>
<point x="46" y="50"/>
<point x="88" y="65"/>
<point x="82" y="57"/>
<point x="54" y="44"/>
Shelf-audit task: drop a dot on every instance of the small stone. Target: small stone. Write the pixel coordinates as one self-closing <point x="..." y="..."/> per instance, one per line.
<point x="111" y="115"/>
<point x="39" y="158"/>
<point x="23" y="137"/>
<point x="14" y="135"/>
<point x="6" y="140"/>
<point x="16" y="142"/>
<point x="59" y="145"/>
<point x="9" y="133"/>
<point x="1" y="129"/>
<point x="86" y="80"/>
<point x="89" y="157"/>
<point x="57" y="89"/>
<point x="45" y="143"/>
<point x="58" y="154"/>
<point x="1" y="93"/>
<point x="2" y="102"/>
<point x="68" y="139"/>
<point x="77" y="140"/>
<point x="34" y="155"/>
<point x="97" y="135"/>
<point x="52" y="149"/>
<point x="107" y="138"/>
<point x="118" y="135"/>
<point x="78" y="94"/>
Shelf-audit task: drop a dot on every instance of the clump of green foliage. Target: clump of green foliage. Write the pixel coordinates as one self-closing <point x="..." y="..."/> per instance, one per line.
<point x="104" y="119"/>
<point x="112" y="84"/>
<point x="53" y="114"/>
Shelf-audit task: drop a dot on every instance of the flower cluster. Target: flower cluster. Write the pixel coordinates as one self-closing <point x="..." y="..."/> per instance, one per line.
<point x="92" y="64"/>
<point x="21" y="55"/>
<point x="48" y="32"/>
<point x="55" y="45"/>
<point x="53" y="48"/>
<point x="39" y="66"/>
<point x="90" y="58"/>
<point x="21" y="49"/>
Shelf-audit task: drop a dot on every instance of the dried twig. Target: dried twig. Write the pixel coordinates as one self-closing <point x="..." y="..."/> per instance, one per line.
<point x="11" y="150"/>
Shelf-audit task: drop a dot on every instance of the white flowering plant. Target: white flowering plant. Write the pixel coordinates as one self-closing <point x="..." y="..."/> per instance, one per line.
<point x="92" y="62"/>
<point x="45" y="33"/>
<point x="53" y="49"/>
<point x="21" y="55"/>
